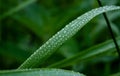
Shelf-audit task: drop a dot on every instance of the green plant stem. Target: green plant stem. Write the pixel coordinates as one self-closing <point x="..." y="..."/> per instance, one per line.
<point x="110" y="29"/>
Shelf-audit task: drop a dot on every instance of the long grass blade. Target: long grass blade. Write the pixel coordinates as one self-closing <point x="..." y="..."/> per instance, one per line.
<point x="39" y="72"/>
<point x="40" y="55"/>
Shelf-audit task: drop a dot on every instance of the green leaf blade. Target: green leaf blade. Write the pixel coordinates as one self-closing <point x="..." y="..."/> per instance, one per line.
<point x="40" y="72"/>
<point x="58" y="39"/>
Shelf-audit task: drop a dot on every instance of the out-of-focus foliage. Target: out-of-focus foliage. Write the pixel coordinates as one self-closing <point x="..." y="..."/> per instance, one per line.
<point x="23" y="31"/>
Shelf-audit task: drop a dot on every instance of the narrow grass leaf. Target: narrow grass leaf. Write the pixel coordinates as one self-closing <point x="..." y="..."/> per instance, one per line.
<point x="93" y="52"/>
<point x="40" y="55"/>
<point x="40" y="72"/>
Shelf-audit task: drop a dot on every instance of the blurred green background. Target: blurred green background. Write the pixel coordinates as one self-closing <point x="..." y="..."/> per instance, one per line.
<point x="24" y="30"/>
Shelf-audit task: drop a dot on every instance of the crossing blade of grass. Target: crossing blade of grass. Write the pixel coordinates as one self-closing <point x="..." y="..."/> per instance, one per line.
<point x="17" y="8"/>
<point x="39" y="72"/>
<point x="103" y="48"/>
<point x="40" y="55"/>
